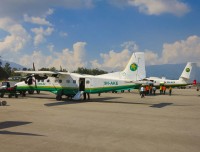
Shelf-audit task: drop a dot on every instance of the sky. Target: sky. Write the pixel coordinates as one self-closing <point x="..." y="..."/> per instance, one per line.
<point x="99" y="34"/>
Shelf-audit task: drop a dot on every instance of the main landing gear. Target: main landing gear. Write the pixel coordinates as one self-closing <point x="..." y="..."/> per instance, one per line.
<point x="3" y="103"/>
<point x="58" y="97"/>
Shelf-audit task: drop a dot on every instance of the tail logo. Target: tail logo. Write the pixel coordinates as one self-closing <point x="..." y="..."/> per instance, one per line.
<point x="187" y="69"/>
<point x="133" y="67"/>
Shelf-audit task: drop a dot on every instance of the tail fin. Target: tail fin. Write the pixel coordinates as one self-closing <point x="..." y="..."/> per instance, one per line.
<point x="188" y="72"/>
<point x="135" y="69"/>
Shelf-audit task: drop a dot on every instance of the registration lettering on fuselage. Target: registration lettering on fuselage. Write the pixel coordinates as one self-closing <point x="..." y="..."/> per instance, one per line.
<point x="41" y="83"/>
<point x="110" y="83"/>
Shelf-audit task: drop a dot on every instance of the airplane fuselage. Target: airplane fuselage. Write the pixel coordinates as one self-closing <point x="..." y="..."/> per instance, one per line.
<point x="70" y="84"/>
<point x="167" y="82"/>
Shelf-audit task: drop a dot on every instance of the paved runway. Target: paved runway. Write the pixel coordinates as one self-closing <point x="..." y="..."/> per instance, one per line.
<point x="121" y="122"/>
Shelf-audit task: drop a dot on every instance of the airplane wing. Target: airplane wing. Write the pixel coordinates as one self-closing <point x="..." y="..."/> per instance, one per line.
<point x="36" y="72"/>
<point x="42" y="72"/>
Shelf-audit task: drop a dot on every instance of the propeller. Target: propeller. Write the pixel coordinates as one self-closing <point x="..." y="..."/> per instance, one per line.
<point x="35" y="78"/>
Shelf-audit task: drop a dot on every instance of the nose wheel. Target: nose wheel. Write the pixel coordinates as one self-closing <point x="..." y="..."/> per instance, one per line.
<point x="3" y="103"/>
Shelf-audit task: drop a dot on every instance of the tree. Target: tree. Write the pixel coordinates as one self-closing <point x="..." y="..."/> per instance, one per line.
<point x="7" y="69"/>
<point x="3" y="74"/>
<point x="13" y="72"/>
<point x="24" y="69"/>
<point x="52" y="69"/>
<point x="0" y="63"/>
<point x="89" y="71"/>
<point x="44" y="69"/>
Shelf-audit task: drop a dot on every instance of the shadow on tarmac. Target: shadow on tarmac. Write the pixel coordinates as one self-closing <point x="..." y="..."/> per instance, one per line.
<point x="107" y="100"/>
<point x="161" y="105"/>
<point x="67" y="101"/>
<point x="9" y="124"/>
<point x="4" y="132"/>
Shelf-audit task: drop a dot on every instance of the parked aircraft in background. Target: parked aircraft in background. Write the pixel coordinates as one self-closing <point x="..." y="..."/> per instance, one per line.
<point x="73" y="84"/>
<point x="186" y="78"/>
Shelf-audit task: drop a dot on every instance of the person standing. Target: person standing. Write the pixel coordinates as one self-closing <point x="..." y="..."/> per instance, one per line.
<point x="154" y="90"/>
<point x="170" y="90"/>
<point x="160" y="89"/>
<point x="88" y="95"/>
<point x="150" y="89"/>
<point x="142" y="92"/>
<point x="147" y="89"/>
<point x="164" y="89"/>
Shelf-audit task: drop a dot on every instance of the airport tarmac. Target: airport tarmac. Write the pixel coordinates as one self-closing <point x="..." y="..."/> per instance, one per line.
<point x="112" y="122"/>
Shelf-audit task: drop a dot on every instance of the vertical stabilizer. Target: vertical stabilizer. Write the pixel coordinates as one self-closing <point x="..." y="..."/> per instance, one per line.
<point x="188" y="72"/>
<point x="135" y="69"/>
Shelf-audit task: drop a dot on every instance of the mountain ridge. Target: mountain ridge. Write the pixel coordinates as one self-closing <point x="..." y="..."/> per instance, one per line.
<point x="12" y="64"/>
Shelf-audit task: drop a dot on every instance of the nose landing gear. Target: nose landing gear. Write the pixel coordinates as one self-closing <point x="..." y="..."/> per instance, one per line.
<point x="3" y="103"/>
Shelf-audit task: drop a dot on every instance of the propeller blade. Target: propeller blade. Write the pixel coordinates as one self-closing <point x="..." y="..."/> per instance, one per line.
<point x="33" y="66"/>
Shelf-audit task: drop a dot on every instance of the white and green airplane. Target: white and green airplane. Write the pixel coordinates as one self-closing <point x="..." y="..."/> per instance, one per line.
<point x="185" y="79"/>
<point x="74" y="85"/>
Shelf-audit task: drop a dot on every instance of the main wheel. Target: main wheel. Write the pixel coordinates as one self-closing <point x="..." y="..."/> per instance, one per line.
<point x="30" y="91"/>
<point x="3" y="103"/>
<point x="58" y="97"/>
<point x="38" y="91"/>
<point x="2" y="95"/>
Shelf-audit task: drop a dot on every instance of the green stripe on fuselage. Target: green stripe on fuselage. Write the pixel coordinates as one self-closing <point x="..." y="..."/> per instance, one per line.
<point x="111" y="88"/>
<point x="74" y="90"/>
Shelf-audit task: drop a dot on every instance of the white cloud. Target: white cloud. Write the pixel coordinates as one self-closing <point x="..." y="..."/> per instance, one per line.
<point x="69" y="60"/>
<point x="113" y="61"/>
<point x="39" y="59"/>
<point x="184" y="50"/>
<point x="178" y="52"/>
<point x="40" y="34"/>
<point x="50" y="47"/>
<point x="156" y="7"/>
<point x="39" y="20"/>
<point x="152" y="58"/>
<point x="36" y="20"/>
<point x="17" y="38"/>
<point x="130" y="45"/>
